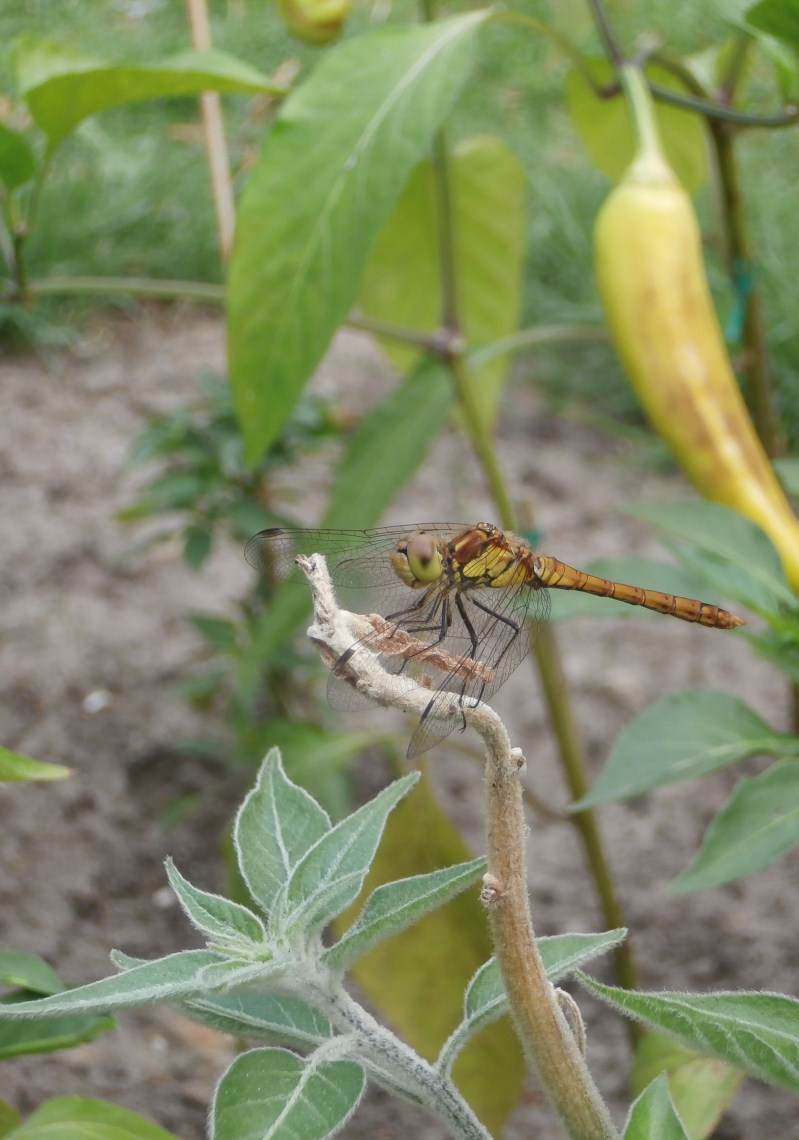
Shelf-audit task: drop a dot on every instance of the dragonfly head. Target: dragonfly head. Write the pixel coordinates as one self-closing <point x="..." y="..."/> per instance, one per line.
<point x="417" y="560"/>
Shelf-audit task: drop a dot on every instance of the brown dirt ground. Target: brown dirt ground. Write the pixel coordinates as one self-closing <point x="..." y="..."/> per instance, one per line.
<point x="82" y="859"/>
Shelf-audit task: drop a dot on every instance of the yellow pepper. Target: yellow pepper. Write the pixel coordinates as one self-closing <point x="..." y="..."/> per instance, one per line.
<point x="315" y="21"/>
<point x="660" y="312"/>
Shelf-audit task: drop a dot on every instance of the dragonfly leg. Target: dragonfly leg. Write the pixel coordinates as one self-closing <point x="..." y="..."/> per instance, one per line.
<point x="514" y="626"/>
<point x="467" y="622"/>
<point x="429" y="622"/>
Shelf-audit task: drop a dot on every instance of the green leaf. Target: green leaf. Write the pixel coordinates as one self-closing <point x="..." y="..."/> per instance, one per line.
<point x="173" y="491"/>
<point x="727" y="536"/>
<point x="788" y="472"/>
<point x="701" y="1088"/>
<point x="389" y="446"/>
<point x="16" y="767"/>
<point x="782" y="651"/>
<point x="221" y="920"/>
<point x="18" y="1038"/>
<point x="197" y="542"/>
<point x="271" y="1094"/>
<point x="778" y="18"/>
<point x="61" y="89"/>
<point x="28" y="972"/>
<point x="330" y="876"/>
<point x="680" y="737"/>
<point x="730" y="581"/>
<point x="604" y="126"/>
<point x="396" y="906"/>
<point x="222" y="633"/>
<point x="757" y="1032"/>
<point x="78" y="1118"/>
<point x="653" y="1114"/>
<point x="9" y="1119"/>
<point x="317" y="759"/>
<point x="277" y="824"/>
<point x="166" y="979"/>
<point x="275" y="1019"/>
<point x="402" y="280"/>
<point x="757" y="826"/>
<point x="17" y="160"/>
<point x="329" y="174"/>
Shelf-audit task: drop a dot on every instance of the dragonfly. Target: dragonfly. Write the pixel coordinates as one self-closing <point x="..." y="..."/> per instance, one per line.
<point x="456" y="606"/>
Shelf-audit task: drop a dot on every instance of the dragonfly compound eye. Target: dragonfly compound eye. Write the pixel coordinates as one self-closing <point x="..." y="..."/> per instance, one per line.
<point x="424" y="558"/>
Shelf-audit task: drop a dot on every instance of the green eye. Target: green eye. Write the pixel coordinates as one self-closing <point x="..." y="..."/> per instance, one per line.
<point x="424" y="558"/>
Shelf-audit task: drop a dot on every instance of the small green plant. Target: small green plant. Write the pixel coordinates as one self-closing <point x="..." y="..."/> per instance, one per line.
<point x="268" y="977"/>
<point x="203" y="484"/>
<point x="204" y="490"/>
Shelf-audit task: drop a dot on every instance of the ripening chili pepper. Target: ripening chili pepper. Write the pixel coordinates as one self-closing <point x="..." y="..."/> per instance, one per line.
<point x="315" y="21"/>
<point x="652" y="281"/>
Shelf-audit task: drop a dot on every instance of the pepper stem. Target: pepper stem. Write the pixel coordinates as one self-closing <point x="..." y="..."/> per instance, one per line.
<point x="650" y="163"/>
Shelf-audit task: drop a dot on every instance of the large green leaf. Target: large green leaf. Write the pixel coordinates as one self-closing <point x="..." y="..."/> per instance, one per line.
<point x="388" y="446"/>
<point x="604" y="126"/>
<point x="17" y="160"/>
<point x="330" y="172"/>
<point x="9" y="1119"/>
<point x="727" y="537"/>
<point x="754" y="829"/>
<point x="402" y="280"/>
<point x="680" y="737"/>
<point x="779" y="18"/>
<point x="61" y="88"/>
<point x="81" y="1118"/>
<point x="757" y="1032"/>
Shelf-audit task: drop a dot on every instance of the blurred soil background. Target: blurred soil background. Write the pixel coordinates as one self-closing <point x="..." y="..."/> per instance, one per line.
<point x="94" y="641"/>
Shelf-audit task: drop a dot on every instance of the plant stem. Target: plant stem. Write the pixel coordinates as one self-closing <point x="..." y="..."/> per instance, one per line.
<point x="427" y="342"/>
<point x="556" y="690"/>
<point x="756" y="363"/>
<point x="214" y="128"/>
<point x="606" y="33"/>
<point x="202" y="292"/>
<point x="534" y="337"/>
<point x="392" y="1063"/>
<point x="548" y="1042"/>
<point x="545" y="648"/>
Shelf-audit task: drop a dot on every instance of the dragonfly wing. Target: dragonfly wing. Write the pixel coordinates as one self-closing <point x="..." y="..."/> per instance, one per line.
<point x="273" y="552"/>
<point x="505" y="623"/>
<point x="442" y="716"/>
<point x="359" y="561"/>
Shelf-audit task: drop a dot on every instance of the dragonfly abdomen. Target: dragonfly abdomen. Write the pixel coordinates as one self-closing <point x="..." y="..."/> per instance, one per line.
<point x="558" y="575"/>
